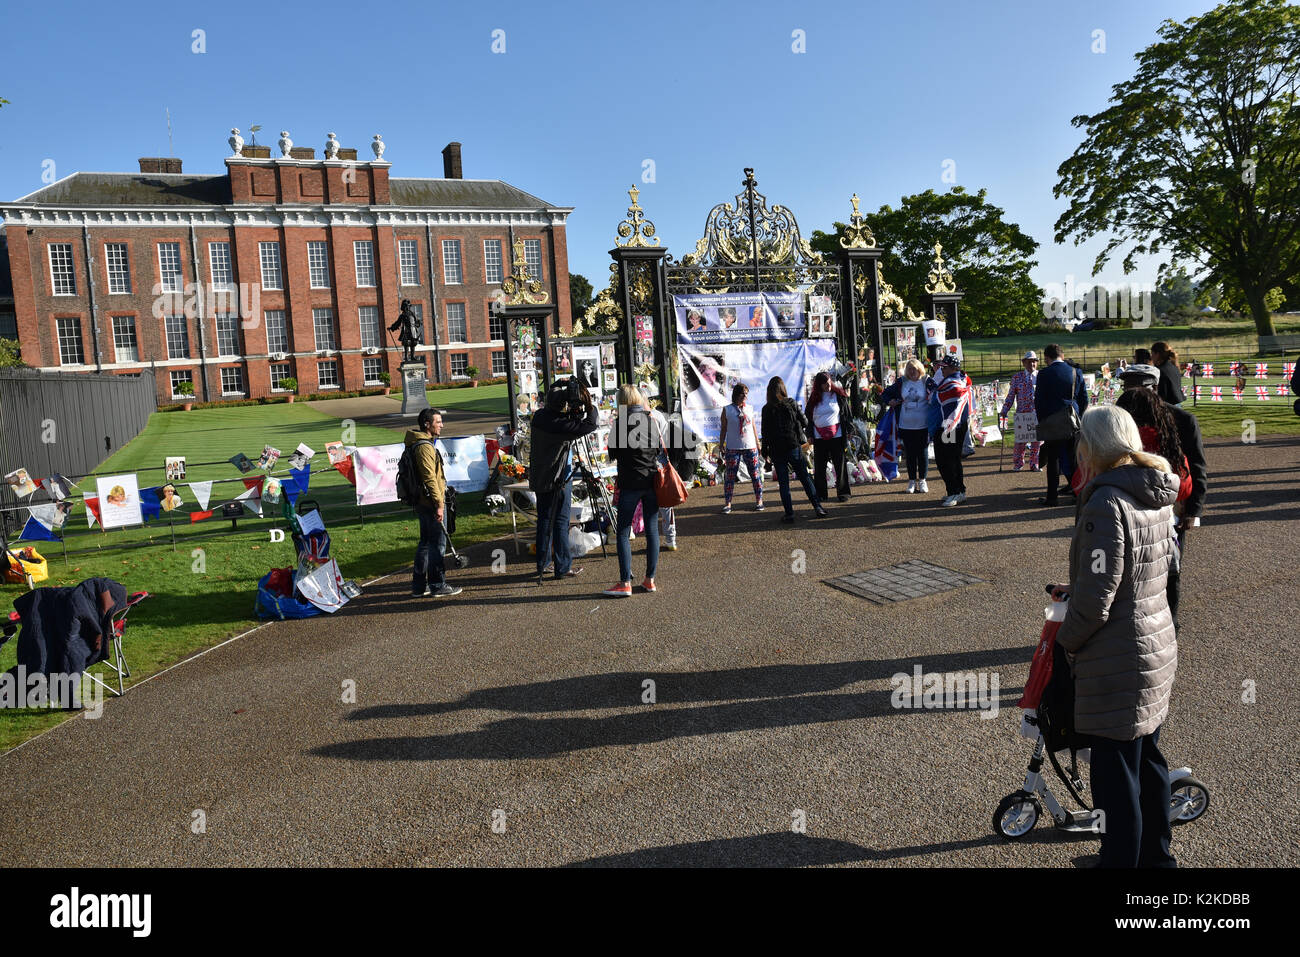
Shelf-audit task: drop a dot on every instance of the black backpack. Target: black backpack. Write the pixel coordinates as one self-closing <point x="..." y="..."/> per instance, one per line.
<point x="409" y="488"/>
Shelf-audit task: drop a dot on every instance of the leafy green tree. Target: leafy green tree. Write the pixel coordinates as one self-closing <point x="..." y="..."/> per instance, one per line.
<point x="580" y="294"/>
<point x="10" y="355"/>
<point x="988" y="257"/>
<point x="1175" y="292"/>
<point x="1198" y="154"/>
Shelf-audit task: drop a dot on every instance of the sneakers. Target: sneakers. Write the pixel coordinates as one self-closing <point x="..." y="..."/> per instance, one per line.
<point x="759" y="506"/>
<point x="726" y="509"/>
<point x="911" y="487"/>
<point x="821" y="512"/>
<point x="445" y="591"/>
<point x="621" y="590"/>
<point x="649" y="585"/>
<point x="421" y="594"/>
<point x="959" y="498"/>
<point x="787" y="519"/>
<point x="922" y="487"/>
<point x="668" y="547"/>
<point x="949" y="501"/>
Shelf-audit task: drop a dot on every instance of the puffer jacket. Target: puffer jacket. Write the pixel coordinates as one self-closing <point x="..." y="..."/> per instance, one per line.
<point x="1118" y="629"/>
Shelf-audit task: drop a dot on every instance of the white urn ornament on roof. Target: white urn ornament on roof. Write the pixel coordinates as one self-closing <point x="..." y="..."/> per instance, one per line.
<point x="286" y="144"/>
<point x="377" y="145"/>
<point x="236" y="142"/>
<point x="331" y="147"/>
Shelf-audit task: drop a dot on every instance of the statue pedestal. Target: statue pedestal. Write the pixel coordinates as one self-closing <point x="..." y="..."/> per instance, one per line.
<point x="413" y="383"/>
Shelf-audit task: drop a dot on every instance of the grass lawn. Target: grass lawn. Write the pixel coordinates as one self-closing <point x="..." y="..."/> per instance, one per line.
<point x="196" y="605"/>
<point x="486" y="398"/>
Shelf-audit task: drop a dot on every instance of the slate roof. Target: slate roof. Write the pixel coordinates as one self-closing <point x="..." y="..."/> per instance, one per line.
<point x="179" y="189"/>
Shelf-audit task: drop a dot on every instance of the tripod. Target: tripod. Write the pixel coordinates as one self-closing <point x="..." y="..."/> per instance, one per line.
<point x="597" y="494"/>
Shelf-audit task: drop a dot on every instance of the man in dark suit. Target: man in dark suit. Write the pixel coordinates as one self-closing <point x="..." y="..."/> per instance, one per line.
<point x="1059" y="385"/>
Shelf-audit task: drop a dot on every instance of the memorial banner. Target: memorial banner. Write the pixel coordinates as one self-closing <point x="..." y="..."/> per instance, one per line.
<point x="708" y="373"/>
<point x="739" y="317"/>
<point x="376" y="471"/>
<point x="465" y="462"/>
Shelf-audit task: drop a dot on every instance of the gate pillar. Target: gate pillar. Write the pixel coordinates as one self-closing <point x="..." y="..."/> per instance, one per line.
<point x="638" y="269"/>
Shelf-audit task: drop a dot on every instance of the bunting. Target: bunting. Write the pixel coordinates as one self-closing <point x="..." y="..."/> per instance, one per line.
<point x="202" y="493"/>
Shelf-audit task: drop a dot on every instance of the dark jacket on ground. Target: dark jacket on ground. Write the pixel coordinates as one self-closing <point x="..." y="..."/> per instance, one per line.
<point x="65" y="630"/>
<point x="785" y="427"/>
<point x="1189" y="437"/>
<point x="635" y="444"/>
<point x="1170" y="387"/>
<point x="428" y="469"/>
<point x="1118" y="628"/>
<point x="551" y="436"/>
<point x="1052" y="392"/>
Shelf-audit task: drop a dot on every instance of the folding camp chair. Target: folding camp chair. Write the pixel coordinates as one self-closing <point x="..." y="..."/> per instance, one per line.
<point x="116" y="660"/>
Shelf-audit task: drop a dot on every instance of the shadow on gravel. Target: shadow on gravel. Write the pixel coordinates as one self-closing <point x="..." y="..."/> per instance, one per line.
<point x="624" y="689"/>
<point x="777" y="697"/>
<point x="782" y="849"/>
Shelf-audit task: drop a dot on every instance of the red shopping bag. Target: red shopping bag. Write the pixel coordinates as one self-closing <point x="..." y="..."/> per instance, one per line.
<point x="1040" y="669"/>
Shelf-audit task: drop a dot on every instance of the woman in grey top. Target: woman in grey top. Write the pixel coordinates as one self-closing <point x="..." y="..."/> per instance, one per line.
<point x="1119" y="634"/>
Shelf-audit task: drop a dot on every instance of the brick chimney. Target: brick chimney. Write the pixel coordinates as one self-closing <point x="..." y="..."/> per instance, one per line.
<point x="160" y="164"/>
<point x="451" y="161"/>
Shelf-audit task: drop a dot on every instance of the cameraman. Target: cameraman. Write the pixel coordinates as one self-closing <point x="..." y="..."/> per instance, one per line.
<point x="568" y="414"/>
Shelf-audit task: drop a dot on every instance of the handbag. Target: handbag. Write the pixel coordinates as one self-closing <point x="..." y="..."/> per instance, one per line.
<point x="669" y="489"/>
<point x="1064" y="423"/>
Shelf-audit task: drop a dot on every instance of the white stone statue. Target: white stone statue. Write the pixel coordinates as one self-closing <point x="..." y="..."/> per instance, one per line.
<point x="378" y="146"/>
<point x="286" y="144"/>
<point x="331" y="147"/>
<point x="236" y="142"/>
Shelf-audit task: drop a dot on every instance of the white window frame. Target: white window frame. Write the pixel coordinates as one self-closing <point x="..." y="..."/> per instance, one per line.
<point x="464" y="323"/>
<point x="180" y="375"/>
<point x="320" y="366"/>
<point x="117" y="344"/>
<point x="117" y="263"/>
<point x="372" y="362"/>
<point x="219" y="256"/>
<point x="268" y="255"/>
<point x="80" y="339"/>
<point x="498" y="359"/>
<point x="377" y="336"/>
<point x="363" y="256"/>
<point x="232" y="329"/>
<point x="408" y="259"/>
<point x="452" y="265"/>
<point x="63" y="279"/>
<point x="288" y="374"/>
<point x="488" y="265"/>
<point x="495" y="320"/>
<point x="530" y="244"/>
<point x="453" y="358"/>
<point x="317" y="315"/>
<point x="239" y="372"/>
<point x="318" y="263"/>
<point x="167" y="334"/>
<point x="170" y="279"/>
<point x="282" y="321"/>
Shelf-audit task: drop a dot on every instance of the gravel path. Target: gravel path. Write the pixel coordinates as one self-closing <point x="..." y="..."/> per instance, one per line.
<point x="772" y="697"/>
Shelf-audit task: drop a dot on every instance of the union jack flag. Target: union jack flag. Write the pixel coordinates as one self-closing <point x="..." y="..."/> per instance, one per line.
<point x="1288" y="369"/>
<point x="1234" y="368"/>
<point x="1283" y="389"/>
<point x="1217" y="394"/>
<point x="1261" y="392"/>
<point x="1236" y="393"/>
<point x="1187" y="371"/>
<point x="1261" y="370"/>
<point x="1200" y="392"/>
<point x="1207" y="370"/>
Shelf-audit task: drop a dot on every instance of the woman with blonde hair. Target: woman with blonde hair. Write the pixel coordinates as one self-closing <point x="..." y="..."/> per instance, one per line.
<point x="1119" y="634"/>
<point x="909" y="397"/>
<point x="634" y="444"/>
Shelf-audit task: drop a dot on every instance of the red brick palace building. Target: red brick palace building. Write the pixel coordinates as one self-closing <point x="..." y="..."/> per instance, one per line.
<point x="284" y="267"/>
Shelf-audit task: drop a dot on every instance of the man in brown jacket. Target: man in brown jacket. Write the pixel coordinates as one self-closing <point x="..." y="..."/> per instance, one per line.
<point x="1119" y="634"/>
<point x="430" y="573"/>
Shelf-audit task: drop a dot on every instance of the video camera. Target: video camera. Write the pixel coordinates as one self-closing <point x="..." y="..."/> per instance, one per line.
<point x="569" y="393"/>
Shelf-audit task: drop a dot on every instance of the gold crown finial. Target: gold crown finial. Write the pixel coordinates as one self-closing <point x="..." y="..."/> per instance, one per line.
<point x="857" y="234"/>
<point x="521" y="286"/>
<point x="636" y="230"/>
<point x="940" y="277"/>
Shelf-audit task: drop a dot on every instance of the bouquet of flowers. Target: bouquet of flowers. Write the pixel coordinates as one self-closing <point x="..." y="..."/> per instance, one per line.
<point x="510" y="467"/>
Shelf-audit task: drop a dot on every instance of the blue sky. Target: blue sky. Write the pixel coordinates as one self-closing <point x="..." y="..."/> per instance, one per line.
<point x="586" y="92"/>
